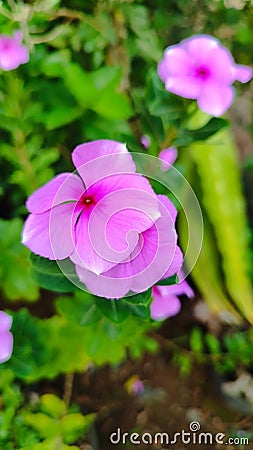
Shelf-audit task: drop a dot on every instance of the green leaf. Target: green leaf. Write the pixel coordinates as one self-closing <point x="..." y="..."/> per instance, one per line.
<point x="45" y="158"/>
<point x="81" y="308"/>
<point x="212" y="127"/>
<point x="29" y="350"/>
<point x="110" y="103"/>
<point x="141" y="311"/>
<point x="213" y="343"/>
<point x="81" y="84"/>
<point x="138" y="304"/>
<point x="54" y="63"/>
<point x="45" y="425"/>
<point x="53" y="406"/>
<point x="50" y="276"/>
<point x="15" y="269"/>
<point x="113" y="105"/>
<point x="168" y="281"/>
<point x="74" y="426"/>
<point x="61" y="116"/>
<point x="196" y="340"/>
<point x="115" y="310"/>
<point x="142" y="298"/>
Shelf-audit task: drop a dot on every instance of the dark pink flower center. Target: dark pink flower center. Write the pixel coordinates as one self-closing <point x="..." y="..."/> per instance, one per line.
<point x="6" y="45"/>
<point x="202" y="72"/>
<point x="87" y="200"/>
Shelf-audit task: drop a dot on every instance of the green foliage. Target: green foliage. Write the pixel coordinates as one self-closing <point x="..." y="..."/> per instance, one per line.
<point x="43" y="348"/>
<point x="223" y="200"/>
<point x="54" y="424"/>
<point x="49" y="274"/>
<point x="39" y="423"/>
<point x="92" y="74"/>
<point x="62" y="278"/>
<point x="15" y="269"/>
<point x="227" y="354"/>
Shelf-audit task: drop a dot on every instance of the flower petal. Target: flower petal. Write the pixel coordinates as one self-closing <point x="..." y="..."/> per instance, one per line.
<point x="158" y="258"/>
<point x="176" y="62"/>
<point x="84" y="253"/>
<point x="12" y="52"/>
<point x="149" y="261"/>
<point x="242" y="73"/>
<point x="168" y="157"/>
<point x="164" y="304"/>
<point x="107" y="232"/>
<point x="187" y="86"/>
<point x="176" y="263"/>
<point x="103" y="286"/>
<point x="5" y="322"/>
<point x="50" y="234"/>
<point x="221" y="65"/>
<point x="6" y="346"/>
<point x="62" y="188"/>
<point x="215" y="98"/>
<point x="99" y="159"/>
<point x="128" y="207"/>
<point x="147" y="264"/>
<point x="199" y="47"/>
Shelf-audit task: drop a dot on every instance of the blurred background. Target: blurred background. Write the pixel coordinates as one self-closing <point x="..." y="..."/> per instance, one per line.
<point x="78" y="373"/>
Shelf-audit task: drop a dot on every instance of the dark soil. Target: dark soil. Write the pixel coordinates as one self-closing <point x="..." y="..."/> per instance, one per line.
<point x="169" y="403"/>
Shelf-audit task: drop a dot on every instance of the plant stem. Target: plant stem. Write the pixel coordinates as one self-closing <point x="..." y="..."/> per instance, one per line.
<point x="68" y="388"/>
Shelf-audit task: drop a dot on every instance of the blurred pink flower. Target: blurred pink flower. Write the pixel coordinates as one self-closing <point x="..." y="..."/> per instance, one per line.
<point x="12" y="51"/>
<point x="168" y="157"/>
<point x="145" y="141"/>
<point x="6" y="339"/>
<point x="165" y="299"/>
<point x="201" y="68"/>
<point x="134" y="385"/>
<point x="119" y="234"/>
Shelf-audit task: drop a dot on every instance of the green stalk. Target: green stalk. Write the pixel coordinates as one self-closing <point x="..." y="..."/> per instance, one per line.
<point x="217" y="166"/>
<point x="205" y="272"/>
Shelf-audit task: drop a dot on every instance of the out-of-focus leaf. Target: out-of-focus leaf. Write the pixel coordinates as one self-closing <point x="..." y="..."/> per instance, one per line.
<point x="168" y="281"/>
<point x="115" y="310"/>
<point x="81" y="308"/>
<point x="49" y="274"/>
<point x="45" y="425"/>
<point x="53" y="406"/>
<point x="81" y="84"/>
<point x="15" y="269"/>
<point x="196" y="340"/>
<point x="223" y="199"/>
<point x="75" y="425"/>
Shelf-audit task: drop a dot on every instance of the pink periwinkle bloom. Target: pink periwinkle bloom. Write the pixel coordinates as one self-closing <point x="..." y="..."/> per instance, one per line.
<point x="145" y="141"/>
<point x="135" y="386"/>
<point x="165" y="299"/>
<point x="168" y="157"/>
<point x="108" y="220"/>
<point x="6" y="339"/>
<point x="12" y="51"/>
<point x="201" y="68"/>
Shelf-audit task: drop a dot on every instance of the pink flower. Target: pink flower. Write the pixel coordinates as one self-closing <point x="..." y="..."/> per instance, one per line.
<point x="168" y="157"/>
<point x="145" y="141"/>
<point x="134" y="385"/>
<point x="165" y="299"/>
<point x="6" y="339"/>
<point x="12" y="51"/>
<point x="119" y="234"/>
<point x="201" y="68"/>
